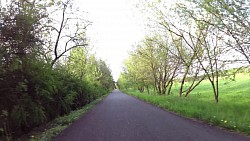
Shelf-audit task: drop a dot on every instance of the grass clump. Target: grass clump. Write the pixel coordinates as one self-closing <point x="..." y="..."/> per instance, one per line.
<point x="60" y="123"/>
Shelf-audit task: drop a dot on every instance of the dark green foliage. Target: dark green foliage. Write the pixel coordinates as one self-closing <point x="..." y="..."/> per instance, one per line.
<point x="41" y="94"/>
<point x="31" y="92"/>
<point x="56" y="126"/>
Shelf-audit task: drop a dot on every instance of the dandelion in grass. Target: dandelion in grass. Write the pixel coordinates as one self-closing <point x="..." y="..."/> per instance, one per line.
<point x="225" y="121"/>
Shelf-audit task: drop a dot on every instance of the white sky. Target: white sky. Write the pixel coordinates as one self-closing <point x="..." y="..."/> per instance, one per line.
<point x="114" y="30"/>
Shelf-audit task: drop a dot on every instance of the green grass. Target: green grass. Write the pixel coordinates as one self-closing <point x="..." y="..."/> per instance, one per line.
<point x="60" y="123"/>
<point x="232" y="111"/>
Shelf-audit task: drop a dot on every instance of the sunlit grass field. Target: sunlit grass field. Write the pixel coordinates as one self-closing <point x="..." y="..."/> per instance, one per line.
<point x="232" y="111"/>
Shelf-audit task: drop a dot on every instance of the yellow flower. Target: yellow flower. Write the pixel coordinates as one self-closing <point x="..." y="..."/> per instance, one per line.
<point x="225" y="121"/>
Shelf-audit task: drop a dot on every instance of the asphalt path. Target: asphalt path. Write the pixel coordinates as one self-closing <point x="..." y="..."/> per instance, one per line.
<point x="120" y="117"/>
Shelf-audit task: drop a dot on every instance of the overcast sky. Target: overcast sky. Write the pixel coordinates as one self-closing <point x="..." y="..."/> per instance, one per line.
<point x="114" y="30"/>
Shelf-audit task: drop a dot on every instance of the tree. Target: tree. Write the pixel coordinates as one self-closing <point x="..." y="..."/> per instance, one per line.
<point x="186" y="49"/>
<point x="135" y="72"/>
<point x="204" y="41"/>
<point x="65" y="29"/>
<point x="232" y="18"/>
<point x="209" y="61"/>
<point x="152" y="64"/>
<point x="105" y="76"/>
<point x="78" y="61"/>
<point x="20" y="42"/>
<point x="122" y="82"/>
<point x="163" y="64"/>
<point x="85" y="66"/>
<point x="20" y="36"/>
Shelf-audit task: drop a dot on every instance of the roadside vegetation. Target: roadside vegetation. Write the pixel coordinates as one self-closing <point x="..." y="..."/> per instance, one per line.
<point x="55" y="127"/>
<point x="194" y="60"/>
<point x="46" y="66"/>
<point x="232" y="112"/>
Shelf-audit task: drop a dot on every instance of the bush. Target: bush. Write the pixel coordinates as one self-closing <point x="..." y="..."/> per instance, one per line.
<point x="39" y="94"/>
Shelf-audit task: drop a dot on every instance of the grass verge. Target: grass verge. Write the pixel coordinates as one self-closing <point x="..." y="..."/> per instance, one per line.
<point x="232" y="111"/>
<point x="59" y="124"/>
<point x="214" y="114"/>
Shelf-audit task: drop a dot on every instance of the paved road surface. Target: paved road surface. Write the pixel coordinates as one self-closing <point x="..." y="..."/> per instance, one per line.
<point x="120" y="117"/>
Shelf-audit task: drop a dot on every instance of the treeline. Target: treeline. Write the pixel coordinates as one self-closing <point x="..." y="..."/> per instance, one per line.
<point x="188" y="42"/>
<point x="46" y="69"/>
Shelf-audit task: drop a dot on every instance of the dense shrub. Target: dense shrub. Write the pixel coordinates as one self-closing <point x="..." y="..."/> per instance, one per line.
<point x="32" y="91"/>
<point x="39" y="94"/>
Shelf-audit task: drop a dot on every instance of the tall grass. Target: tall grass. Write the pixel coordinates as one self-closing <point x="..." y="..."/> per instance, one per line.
<point x="55" y="127"/>
<point x="232" y="111"/>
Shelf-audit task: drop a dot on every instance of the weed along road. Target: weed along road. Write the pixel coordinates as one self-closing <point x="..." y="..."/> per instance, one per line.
<point x="120" y="117"/>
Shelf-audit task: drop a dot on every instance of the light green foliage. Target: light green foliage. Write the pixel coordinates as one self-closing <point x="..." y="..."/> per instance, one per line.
<point x="105" y="77"/>
<point x="78" y="62"/>
<point x="205" y="36"/>
<point x="233" y="111"/>
<point x="232" y="18"/>
<point x="137" y="71"/>
<point x="151" y="65"/>
<point x="86" y="67"/>
<point x="122" y="82"/>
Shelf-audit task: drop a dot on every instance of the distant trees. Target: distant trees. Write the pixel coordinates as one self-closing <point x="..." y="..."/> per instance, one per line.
<point x="86" y="67"/>
<point x="137" y="72"/>
<point x="32" y="92"/>
<point x="196" y="41"/>
<point x="149" y="65"/>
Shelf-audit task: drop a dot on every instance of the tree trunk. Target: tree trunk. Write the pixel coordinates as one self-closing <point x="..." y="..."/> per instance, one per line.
<point x="192" y="87"/>
<point x="182" y="84"/>
<point x="163" y="89"/>
<point x="169" y="88"/>
<point x="141" y="89"/>
<point x="158" y="86"/>
<point x="147" y="89"/>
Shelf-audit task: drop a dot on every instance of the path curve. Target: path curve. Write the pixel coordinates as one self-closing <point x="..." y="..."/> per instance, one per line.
<point x="120" y="117"/>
